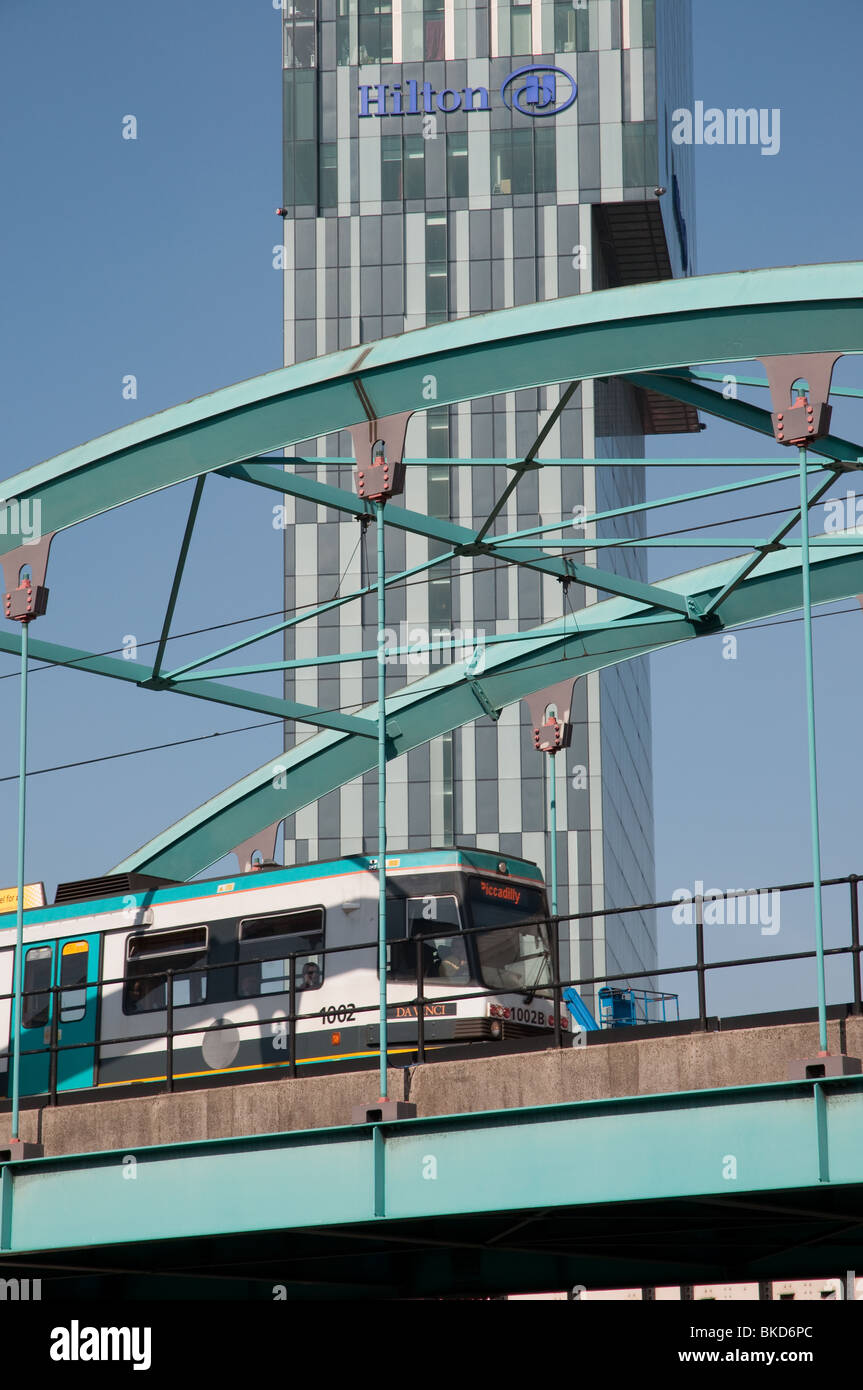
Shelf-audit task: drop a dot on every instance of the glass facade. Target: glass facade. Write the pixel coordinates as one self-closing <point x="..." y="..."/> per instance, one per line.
<point x="422" y="185"/>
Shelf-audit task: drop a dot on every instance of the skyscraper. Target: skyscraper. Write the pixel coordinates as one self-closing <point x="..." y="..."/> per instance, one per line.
<point x="445" y="158"/>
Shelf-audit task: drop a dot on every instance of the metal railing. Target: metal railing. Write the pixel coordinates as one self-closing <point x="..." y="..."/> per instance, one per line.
<point x="550" y="989"/>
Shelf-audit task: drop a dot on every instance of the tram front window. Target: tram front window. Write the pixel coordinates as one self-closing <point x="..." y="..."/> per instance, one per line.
<point x="444" y="956"/>
<point x="513" y="953"/>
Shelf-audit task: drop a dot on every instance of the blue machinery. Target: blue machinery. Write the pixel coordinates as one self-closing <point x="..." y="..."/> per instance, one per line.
<point x="797" y="321"/>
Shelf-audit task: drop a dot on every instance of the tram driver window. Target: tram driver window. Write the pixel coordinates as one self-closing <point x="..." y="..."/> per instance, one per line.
<point x="150" y="957"/>
<point x="444" y="951"/>
<point x="265" y="949"/>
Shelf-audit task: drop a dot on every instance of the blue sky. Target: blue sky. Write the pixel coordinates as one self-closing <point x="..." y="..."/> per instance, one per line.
<point x="153" y="257"/>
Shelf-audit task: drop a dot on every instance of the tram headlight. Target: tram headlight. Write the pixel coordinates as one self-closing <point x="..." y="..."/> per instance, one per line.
<point x="496" y="1028"/>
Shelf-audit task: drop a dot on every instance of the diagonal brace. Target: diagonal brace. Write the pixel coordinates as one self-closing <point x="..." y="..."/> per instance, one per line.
<point x="136" y="673"/>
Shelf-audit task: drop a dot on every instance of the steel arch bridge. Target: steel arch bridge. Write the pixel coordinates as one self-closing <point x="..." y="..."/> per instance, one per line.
<point x="654" y="336"/>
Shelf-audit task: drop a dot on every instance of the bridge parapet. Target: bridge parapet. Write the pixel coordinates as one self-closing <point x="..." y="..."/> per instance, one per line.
<point x="648" y="1065"/>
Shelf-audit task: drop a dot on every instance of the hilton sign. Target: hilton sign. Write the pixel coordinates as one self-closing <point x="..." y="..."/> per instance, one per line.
<point x="536" y="90"/>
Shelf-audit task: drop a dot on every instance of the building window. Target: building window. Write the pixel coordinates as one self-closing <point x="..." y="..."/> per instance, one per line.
<point x="434" y="40"/>
<point x="343" y="33"/>
<point x="402" y="168"/>
<point x="640" y="165"/>
<point x="328" y="175"/>
<point x="375" y="31"/>
<point x="391" y="169"/>
<point x="438" y="445"/>
<point x="299" y="34"/>
<point x="520" y="27"/>
<point x="523" y="161"/>
<point x="301" y="162"/>
<point x="437" y="296"/>
<point x="414" y="167"/>
<point x="544" y="149"/>
<point x="648" y="24"/>
<point x="571" y="28"/>
<point x="456" y="165"/>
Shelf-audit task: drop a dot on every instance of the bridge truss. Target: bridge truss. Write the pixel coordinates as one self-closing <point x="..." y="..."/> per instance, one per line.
<point x="658" y="336"/>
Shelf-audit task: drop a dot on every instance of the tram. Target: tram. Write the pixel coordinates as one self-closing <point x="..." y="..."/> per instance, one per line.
<point x="130" y="979"/>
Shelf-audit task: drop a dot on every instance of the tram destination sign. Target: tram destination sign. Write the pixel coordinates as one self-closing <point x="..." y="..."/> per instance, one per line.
<point x="534" y="90"/>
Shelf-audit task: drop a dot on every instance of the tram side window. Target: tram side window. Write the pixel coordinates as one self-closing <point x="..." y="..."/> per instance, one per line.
<point x="266" y="945"/>
<point x="444" y="955"/>
<point x="73" y="981"/>
<point x="36" y="1006"/>
<point x="150" y="957"/>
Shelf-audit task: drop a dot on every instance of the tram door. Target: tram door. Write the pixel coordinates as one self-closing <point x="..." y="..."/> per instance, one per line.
<point x="73" y="965"/>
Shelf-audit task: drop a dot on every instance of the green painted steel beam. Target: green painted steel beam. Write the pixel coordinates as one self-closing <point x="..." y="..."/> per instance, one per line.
<point x="642" y="329"/>
<point x="788" y="1137"/>
<point x="341" y="460"/>
<point x="606" y="633"/>
<point x="740" y="485"/>
<point x="135" y="673"/>
<point x="763" y="382"/>
<point x="683" y="387"/>
<point x="461" y="538"/>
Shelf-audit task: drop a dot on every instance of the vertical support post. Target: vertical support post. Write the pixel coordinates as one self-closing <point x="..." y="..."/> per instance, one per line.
<point x="556" y="991"/>
<point x="382" y="795"/>
<point x="421" y="1007"/>
<point x="19" y="912"/>
<point x="855" y="944"/>
<point x="552" y="873"/>
<point x="54" y="996"/>
<point x="699" y="961"/>
<point x="169" y="1060"/>
<point x="292" y="1015"/>
<point x="813" y="765"/>
<point x="552" y="828"/>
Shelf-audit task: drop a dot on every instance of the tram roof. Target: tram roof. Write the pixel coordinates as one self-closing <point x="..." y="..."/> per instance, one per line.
<point x="116" y="897"/>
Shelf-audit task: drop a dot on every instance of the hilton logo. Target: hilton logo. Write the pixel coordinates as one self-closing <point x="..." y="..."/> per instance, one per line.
<point x="536" y="90"/>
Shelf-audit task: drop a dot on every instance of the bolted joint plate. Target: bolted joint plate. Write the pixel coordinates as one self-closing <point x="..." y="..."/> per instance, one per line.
<point x="25" y="603"/>
<point x="379" y="447"/>
<point x="802" y="422"/>
<point x="552" y="736"/>
<point x="26" y="596"/>
<point x="555" y="731"/>
<point x="806" y="418"/>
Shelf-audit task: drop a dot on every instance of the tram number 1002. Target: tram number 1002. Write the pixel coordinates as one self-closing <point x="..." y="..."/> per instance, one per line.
<point x="345" y="1013"/>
